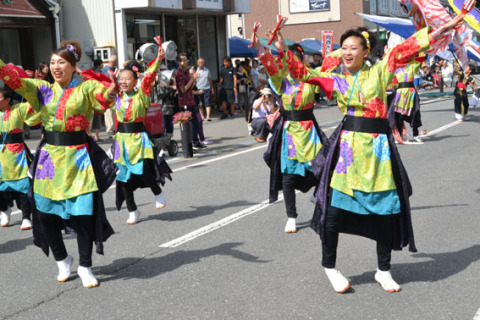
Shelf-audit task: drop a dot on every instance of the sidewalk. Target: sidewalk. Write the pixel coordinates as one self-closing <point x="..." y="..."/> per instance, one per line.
<point x="225" y="135"/>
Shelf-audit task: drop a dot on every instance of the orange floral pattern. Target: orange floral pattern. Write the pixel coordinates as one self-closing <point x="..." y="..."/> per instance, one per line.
<point x="330" y="63"/>
<point x="77" y="121"/>
<point x="10" y="76"/>
<point x="401" y="54"/>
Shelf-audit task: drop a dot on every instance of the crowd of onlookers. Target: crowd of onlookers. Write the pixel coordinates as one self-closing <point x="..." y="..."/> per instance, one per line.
<point x="243" y="88"/>
<point x="431" y="73"/>
<point x="182" y="86"/>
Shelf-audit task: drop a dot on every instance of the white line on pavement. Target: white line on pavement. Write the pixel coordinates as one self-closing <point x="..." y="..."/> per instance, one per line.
<point x="218" y="224"/>
<point x="477" y="315"/>
<point x="445" y="127"/>
<point x="262" y="205"/>
<point x="219" y="158"/>
<point x="431" y="133"/>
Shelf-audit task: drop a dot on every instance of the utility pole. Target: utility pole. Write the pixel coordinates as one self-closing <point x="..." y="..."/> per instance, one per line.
<point x="376" y="12"/>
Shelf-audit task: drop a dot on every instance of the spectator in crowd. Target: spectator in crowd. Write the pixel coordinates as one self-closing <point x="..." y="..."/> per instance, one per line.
<point x="196" y="94"/>
<point x="436" y="71"/>
<point x="242" y="95"/>
<point x="228" y="87"/>
<point x="317" y="60"/>
<point x="262" y="77"/>
<point x="254" y="75"/>
<point x="237" y="62"/>
<point x="97" y="66"/>
<point x="43" y="72"/>
<point x="246" y="66"/>
<point x="262" y="107"/>
<point x="426" y="78"/>
<point x="110" y="114"/>
<point x="205" y="83"/>
<point x="186" y="101"/>
<point x="447" y="73"/>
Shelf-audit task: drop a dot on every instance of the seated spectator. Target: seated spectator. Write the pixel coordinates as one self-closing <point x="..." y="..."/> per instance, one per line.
<point x="447" y="73"/>
<point x="97" y="65"/>
<point x="436" y="77"/>
<point x="426" y="78"/>
<point x="43" y="72"/>
<point x="261" y="108"/>
<point x="262" y="77"/>
<point x="242" y="94"/>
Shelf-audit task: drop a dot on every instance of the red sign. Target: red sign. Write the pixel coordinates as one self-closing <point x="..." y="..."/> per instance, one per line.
<point x="327" y="45"/>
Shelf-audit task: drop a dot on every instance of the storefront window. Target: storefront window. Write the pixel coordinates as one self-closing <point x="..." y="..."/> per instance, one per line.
<point x="142" y="29"/>
<point x="208" y="43"/>
<point x="187" y="37"/>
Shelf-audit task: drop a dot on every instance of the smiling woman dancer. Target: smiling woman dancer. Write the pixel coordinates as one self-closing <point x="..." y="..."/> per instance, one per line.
<point x="14" y="158"/>
<point x="296" y="135"/>
<point x="66" y="183"/>
<point x="133" y="151"/>
<point x="364" y="188"/>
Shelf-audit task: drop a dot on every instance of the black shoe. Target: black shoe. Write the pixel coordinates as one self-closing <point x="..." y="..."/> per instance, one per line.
<point x="230" y="116"/>
<point x="198" y="146"/>
<point x="224" y="116"/>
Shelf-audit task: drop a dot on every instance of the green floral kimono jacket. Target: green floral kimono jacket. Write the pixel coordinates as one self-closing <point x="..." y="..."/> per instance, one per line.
<point x="13" y="156"/>
<point x="131" y="148"/>
<point x="63" y="172"/>
<point x="362" y="179"/>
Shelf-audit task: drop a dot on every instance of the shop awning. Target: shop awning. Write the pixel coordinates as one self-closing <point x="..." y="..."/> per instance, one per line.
<point x="20" y="9"/>
<point x="239" y="48"/>
<point x="312" y="46"/>
<point x="405" y="28"/>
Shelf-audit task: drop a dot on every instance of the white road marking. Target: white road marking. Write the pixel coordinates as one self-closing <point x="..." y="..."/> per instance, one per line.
<point x="219" y="158"/>
<point x="218" y="224"/>
<point x="253" y="209"/>
<point x="262" y="205"/>
<point x="477" y="315"/>
<point x="445" y="127"/>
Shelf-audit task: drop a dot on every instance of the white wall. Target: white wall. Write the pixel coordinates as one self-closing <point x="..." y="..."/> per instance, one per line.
<point x="10" y="46"/>
<point x="88" y="21"/>
<point x="42" y="42"/>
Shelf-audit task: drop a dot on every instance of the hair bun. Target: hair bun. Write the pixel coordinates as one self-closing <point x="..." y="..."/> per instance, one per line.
<point x="75" y="45"/>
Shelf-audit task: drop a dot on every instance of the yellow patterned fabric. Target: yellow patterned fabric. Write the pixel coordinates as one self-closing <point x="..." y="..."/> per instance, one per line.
<point x="13" y="157"/>
<point x="63" y="172"/>
<point x="364" y="162"/>
<point x="404" y="97"/>
<point x="132" y="108"/>
<point x="303" y="141"/>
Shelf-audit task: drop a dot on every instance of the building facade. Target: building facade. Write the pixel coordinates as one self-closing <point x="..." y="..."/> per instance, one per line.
<point x="198" y="27"/>
<point x="27" y="32"/>
<point x="32" y="28"/>
<point x="306" y="18"/>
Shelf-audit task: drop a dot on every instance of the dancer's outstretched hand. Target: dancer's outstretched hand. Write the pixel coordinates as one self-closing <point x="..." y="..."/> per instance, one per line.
<point x="452" y="24"/>
<point x="114" y="88"/>
<point x="256" y="42"/>
<point x="278" y="38"/>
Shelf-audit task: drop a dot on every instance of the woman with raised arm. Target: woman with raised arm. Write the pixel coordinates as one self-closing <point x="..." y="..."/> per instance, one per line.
<point x="296" y="136"/>
<point x="69" y="170"/>
<point x="364" y="188"/>
<point x="14" y="158"/>
<point x="134" y="153"/>
<point x="460" y="92"/>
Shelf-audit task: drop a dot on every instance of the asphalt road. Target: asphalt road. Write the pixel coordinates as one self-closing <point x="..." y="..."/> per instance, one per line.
<point x="218" y="250"/>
